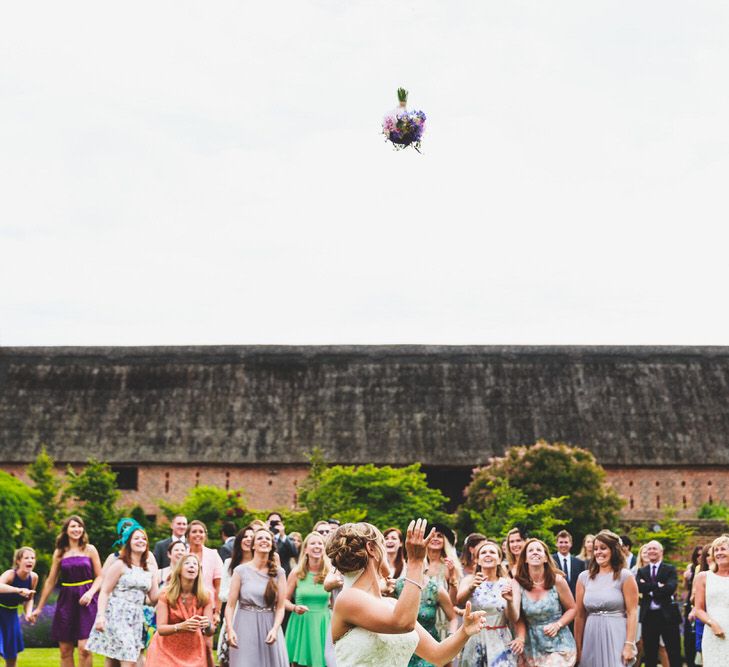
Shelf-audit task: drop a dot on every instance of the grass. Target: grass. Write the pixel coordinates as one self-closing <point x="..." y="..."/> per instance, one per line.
<point x="48" y="657"/>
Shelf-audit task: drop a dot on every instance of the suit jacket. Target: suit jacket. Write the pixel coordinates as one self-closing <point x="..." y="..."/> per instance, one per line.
<point x="576" y="566"/>
<point x="650" y="590"/>
<point x="160" y="552"/>
<point x="226" y="548"/>
<point x="286" y="551"/>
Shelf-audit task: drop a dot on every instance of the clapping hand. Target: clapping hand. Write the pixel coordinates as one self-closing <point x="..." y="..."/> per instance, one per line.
<point x="416" y="544"/>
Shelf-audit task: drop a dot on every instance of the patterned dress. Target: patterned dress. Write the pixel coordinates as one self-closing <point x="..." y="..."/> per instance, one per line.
<point x="539" y="649"/>
<point x="427" y="613"/>
<point x="122" y="637"/>
<point x="490" y="647"/>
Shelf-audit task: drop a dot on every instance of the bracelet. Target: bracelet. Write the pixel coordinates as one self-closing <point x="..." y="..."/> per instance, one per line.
<point x="415" y="583"/>
<point x="176" y="627"/>
<point x="633" y="644"/>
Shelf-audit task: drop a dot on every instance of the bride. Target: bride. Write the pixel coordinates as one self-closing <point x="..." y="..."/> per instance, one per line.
<point x="370" y="630"/>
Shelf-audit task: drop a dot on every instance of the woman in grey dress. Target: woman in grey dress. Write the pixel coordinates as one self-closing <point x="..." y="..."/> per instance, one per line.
<point x="607" y="607"/>
<point x="259" y="588"/>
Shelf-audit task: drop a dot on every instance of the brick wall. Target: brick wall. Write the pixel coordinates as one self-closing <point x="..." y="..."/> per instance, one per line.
<point x="647" y="491"/>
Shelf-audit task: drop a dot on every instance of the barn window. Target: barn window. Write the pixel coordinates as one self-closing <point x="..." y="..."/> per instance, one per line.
<point x="227" y="480"/>
<point x="197" y="478"/>
<point x="167" y="482"/>
<point x="632" y="504"/>
<point x="685" y="504"/>
<point x="630" y="483"/>
<point x="658" y="502"/>
<point x="683" y="482"/>
<point x="658" y="483"/>
<point x="127" y="477"/>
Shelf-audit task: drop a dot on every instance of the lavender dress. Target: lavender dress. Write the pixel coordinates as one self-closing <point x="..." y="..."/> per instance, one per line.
<point x="253" y="620"/>
<point x="71" y="621"/>
<point x="606" y="625"/>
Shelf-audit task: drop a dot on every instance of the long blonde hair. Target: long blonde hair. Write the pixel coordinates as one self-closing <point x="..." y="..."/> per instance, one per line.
<point x="448" y="551"/>
<point x="174" y="587"/>
<point x="583" y="552"/>
<point x="302" y="567"/>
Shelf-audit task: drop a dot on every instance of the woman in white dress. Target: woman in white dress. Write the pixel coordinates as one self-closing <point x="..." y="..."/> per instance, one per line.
<point x="712" y="605"/>
<point x="371" y="631"/>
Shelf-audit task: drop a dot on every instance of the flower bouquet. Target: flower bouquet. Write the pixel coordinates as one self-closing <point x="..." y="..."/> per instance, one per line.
<point x="404" y="128"/>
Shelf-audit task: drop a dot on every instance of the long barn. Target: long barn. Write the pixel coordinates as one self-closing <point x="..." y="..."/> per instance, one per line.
<point x="168" y="418"/>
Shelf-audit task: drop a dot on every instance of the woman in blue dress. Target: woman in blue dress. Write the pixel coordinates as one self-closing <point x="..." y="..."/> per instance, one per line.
<point x="491" y="647"/>
<point x="543" y="602"/>
<point x="17" y="587"/>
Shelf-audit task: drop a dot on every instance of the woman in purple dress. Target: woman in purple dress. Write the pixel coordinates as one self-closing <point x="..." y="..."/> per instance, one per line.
<point x="76" y="566"/>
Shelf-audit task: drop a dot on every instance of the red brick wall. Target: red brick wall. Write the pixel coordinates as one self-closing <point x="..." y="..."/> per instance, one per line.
<point x="647" y="491"/>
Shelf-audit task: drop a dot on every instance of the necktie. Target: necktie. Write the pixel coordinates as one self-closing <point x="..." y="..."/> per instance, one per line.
<point x="564" y="567"/>
<point x="653" y="572"/>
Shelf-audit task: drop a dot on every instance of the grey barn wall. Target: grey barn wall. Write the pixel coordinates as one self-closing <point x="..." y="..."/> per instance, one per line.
<point x="442" y="406"/>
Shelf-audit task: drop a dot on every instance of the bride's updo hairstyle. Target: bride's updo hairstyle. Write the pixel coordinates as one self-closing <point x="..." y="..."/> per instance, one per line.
<point x="347" y="546"/>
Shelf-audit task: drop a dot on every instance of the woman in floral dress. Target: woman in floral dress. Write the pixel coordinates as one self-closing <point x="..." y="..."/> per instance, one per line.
<point x="117" y="633"/>
<point x="491" y="647"/>
<point x="542" y="598"/>
<point x="433" y="597"/>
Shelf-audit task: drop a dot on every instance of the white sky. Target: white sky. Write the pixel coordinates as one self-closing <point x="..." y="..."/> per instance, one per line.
<point x="212" y="172"/>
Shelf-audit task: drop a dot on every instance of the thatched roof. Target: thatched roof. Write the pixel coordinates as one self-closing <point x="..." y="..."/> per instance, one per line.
<point x="389" y="404"/>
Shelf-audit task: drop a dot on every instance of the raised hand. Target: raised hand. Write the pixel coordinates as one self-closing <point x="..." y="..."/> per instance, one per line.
<point x="507" y="591"/>
<point x="473" y="621"/>
<point x="416" y="544"/>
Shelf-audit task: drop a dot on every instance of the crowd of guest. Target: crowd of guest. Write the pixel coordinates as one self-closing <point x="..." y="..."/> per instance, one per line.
<point x="269" y="596"/>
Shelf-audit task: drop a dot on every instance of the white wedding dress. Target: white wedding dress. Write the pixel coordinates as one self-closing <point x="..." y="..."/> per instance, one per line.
<point x="363" y="648"/>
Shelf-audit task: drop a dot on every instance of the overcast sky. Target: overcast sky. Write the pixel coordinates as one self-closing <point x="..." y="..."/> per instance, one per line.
<point x="212" y="172"/>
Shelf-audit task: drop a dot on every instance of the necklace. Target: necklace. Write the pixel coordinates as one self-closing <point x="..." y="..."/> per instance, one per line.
<point x="537" y="583"/>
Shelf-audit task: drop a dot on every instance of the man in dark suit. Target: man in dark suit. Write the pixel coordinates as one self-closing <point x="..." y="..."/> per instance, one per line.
<point x="284" y="546"/>
<point x="565" y="561"/>
<point x="179" y="528"/>
<point x="659" y="615"/>
<point x="227" y="534"/>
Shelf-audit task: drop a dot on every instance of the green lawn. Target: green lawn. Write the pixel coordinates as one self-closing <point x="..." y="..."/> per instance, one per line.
<point x="48" y="657"/>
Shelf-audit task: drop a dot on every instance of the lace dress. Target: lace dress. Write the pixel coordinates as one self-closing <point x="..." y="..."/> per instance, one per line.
<point x="362" y="648"/>
<point x="122" y="636"/>
<point x="490" y="647"/>
<point x="713" y="649"/>
<point x="541" y="650"/>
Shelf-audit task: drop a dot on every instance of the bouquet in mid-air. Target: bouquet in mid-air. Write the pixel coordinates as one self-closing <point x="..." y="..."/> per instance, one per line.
<point x="404" y="128"/>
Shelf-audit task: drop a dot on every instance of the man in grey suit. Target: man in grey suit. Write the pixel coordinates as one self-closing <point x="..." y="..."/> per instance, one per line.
<point x="179" y="528"/>
<point x="565" y="561"/>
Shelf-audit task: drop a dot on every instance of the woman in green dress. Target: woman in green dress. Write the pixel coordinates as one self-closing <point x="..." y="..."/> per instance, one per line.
<point x="432" y="598"/>
<point x="306" y="633"/>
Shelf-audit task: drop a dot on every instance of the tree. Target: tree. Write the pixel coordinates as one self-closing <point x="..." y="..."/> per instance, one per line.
<point x="95" y="487"/>
<point x="672" y="534"/>
<point x="714" y="511"/>
<point x="211" y="505"/>
<point x="543" y="471"/>
<point x="47" y="491"/>
<point x="19" y="512"/>
<point x="506" y="507"/>
<point x="382" y="495"/>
